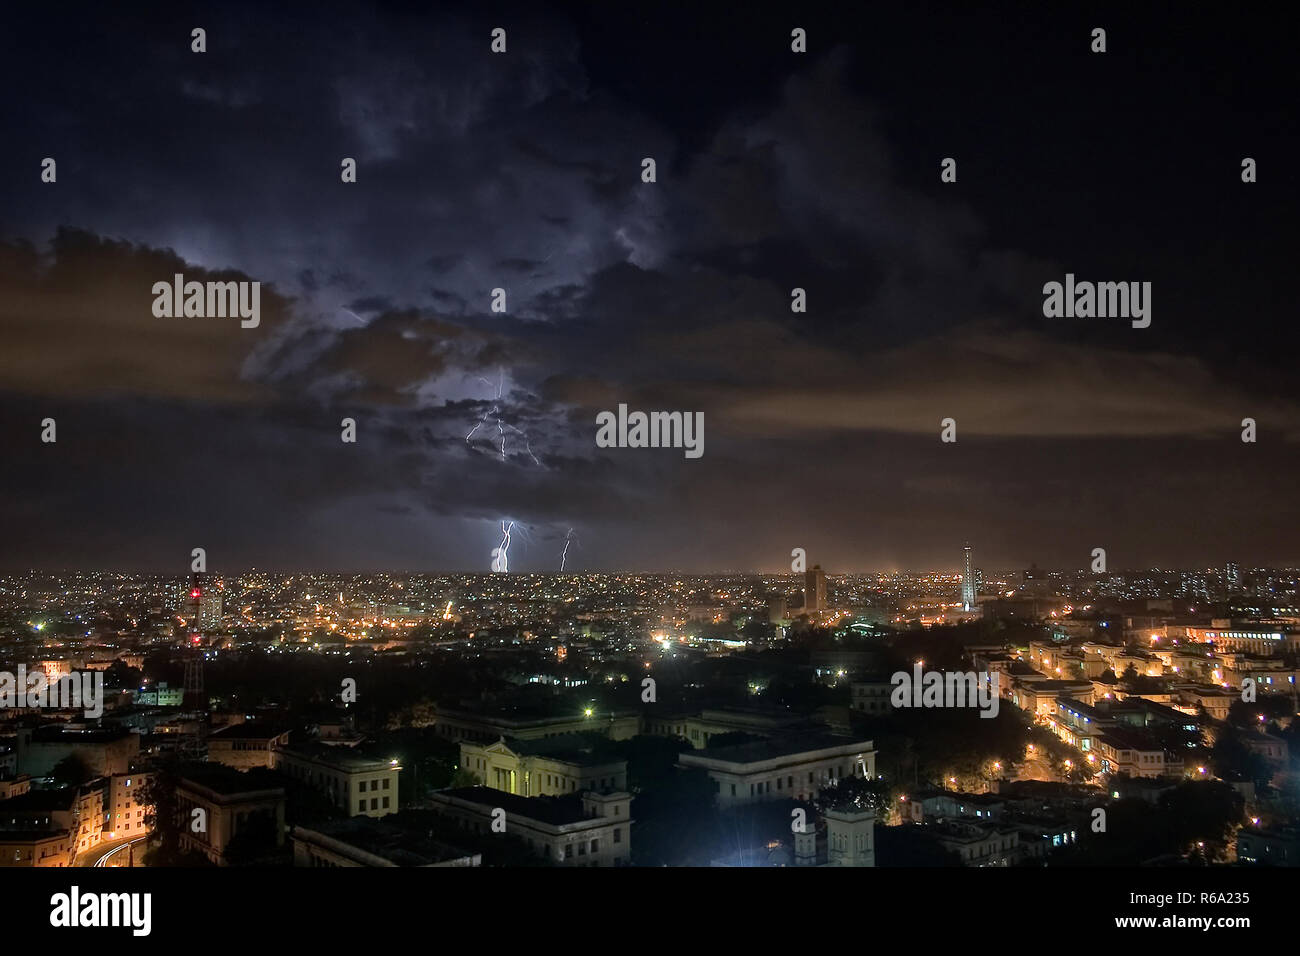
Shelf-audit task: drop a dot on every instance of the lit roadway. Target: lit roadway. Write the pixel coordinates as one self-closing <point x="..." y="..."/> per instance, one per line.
<point x="113" y="855"/>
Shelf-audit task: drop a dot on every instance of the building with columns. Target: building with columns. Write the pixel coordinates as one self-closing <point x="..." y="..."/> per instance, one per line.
<point x="570" y="763"/>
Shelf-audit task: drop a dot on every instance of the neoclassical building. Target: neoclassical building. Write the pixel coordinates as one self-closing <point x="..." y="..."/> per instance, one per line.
<point x="554" y="766"/>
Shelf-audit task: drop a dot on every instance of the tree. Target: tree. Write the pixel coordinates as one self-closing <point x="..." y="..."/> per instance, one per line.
<point x="1194" y="820"/>
<point x="256" y="839"/>
<point x="464" y="778"/>
<point x="162" y="812"/>
<point x="675" y="822"/>
<point x="1232" y="760"/>
<point x="1204" y="814"/>
<point x="119" y="674"/>
<point x="911" y="846"/>
<point x="651" y="759"/>
<point x="71" y="771"/>
<point x="874" y="795"/>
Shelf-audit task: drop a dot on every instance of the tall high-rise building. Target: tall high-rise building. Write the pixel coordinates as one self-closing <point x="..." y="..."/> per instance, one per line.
<point x="1233" y="576"/>
<point x="967" y="582"/>
<point x="814" y="589"/>
<point x="193" y="601"/>
<point x="195" y="698"/>
<point x="210" y="611"/>
<point x="777" y="608"/>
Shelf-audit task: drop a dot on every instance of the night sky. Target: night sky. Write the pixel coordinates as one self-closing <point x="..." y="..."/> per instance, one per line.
<point x="523" y="171"/>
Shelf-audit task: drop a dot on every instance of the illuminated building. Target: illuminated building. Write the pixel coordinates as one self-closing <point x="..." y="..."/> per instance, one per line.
<point x="967" y="581"/>
<point x="210" y="610"/>
<point x="569" y="763"/>
<point x="125" y="813"/>
<point x="814" y="589"/>
<point x="360" y="786"/>
<point x="34" y="848"/>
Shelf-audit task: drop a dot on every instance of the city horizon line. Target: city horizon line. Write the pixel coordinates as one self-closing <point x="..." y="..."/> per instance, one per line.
<point x="956" y="571"/>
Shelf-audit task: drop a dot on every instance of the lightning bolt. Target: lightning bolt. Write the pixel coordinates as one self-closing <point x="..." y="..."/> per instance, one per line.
<point x="494" y="414"/>
<point x="564" y="555"/>
<point x="501" y="553"/>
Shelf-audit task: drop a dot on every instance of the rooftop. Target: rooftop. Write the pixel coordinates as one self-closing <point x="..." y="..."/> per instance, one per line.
<point x="398" y="846"/>
<point x="227" y="781"/>
<point x="777" y="747"/>
<point x="249" y="730"/>
<point x="346" y="759"/>
<point x="40" y="801"/>
<point x="578" y="748"/>
<point x="557" y="811"/>
<point x="66" y="733"/>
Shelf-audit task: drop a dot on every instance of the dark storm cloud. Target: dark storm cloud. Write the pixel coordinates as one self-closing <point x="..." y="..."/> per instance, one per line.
<point x="1043" y="387"/>
<point x="78" y="320"/>
<point x="250" y="169"/>
<point x="523" y="172"/>
<point x="390" y="356"/>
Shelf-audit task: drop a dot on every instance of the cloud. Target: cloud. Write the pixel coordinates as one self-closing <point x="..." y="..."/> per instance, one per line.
<point x="79" y="320"/>
<point x="522" y="172"/>
<point x="1000" y="382"/>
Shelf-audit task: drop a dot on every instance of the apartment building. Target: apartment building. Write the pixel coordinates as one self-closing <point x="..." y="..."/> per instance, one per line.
<point x="357" y="784"/>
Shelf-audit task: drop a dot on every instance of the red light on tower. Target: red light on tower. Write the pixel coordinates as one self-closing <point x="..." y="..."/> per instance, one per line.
<point x="195" y="594"/>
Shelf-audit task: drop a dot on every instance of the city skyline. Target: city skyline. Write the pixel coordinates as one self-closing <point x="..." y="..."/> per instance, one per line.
<point x="552" y="446"/>
<point x="955" y="570"/>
